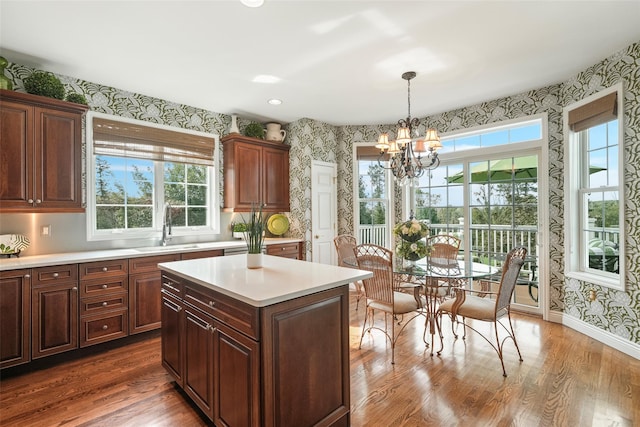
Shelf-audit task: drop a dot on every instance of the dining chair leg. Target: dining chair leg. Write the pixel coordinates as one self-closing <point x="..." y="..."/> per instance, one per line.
<point x="364" y="325"/>
<point x="513" y="335"/>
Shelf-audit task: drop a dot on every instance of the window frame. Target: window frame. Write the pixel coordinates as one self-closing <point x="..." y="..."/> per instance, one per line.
<point x="93" y="234"/>
<point x="575" y="206"/>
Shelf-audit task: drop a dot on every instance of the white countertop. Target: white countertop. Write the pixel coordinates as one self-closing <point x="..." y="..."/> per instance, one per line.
<point x="280" y="279"/>
<point x="14" y="263"/>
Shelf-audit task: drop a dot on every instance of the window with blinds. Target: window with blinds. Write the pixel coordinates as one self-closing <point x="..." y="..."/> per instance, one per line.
<point x="594" y="220"/>
<point x="140" y="173"/>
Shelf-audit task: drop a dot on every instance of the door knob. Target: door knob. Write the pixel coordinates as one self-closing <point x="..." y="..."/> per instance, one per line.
<point x="317" y="236"/>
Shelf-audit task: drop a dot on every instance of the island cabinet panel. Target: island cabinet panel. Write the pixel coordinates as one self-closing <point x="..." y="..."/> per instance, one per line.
<point x="145" y="284"/>
<point x="236" y="360"/>
<point x="54" y="310"/>
<point x="308" y="335"/>
<point x="15" y="317"/>
<point x="285" y="364"/>
<point x="173" y="349"/>
<point x="198" y="367"/>
<point x="40" y="154"/>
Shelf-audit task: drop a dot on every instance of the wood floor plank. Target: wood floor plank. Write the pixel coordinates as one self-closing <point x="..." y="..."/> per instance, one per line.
<point x="566" y="379"/>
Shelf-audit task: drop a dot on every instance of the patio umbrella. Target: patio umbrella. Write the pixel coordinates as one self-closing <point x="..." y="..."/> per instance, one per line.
<point x="520" y="168"/>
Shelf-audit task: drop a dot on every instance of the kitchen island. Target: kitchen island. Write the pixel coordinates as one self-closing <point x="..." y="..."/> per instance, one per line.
<point x="259" y="347"/>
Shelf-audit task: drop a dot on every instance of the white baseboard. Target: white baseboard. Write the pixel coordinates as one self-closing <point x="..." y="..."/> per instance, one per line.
<point x="598" y="334"/>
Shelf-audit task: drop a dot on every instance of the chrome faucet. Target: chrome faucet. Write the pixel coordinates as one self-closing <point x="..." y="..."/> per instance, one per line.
<point x="166" y="224"/>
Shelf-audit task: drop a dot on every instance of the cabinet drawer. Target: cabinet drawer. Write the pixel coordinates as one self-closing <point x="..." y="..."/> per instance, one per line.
<point x="172" y="286"/>
<point x="202" y="254"/>
<point x="236" y="314"/>
<point x="104" y="286"/>
<point x="106" y="327"/>
<point x="150" y="263"/>
<point x="102" y="269"/>
<point x="55" y="274"/>
<point x="101" y="304"/>
<point x="287" y="250"/>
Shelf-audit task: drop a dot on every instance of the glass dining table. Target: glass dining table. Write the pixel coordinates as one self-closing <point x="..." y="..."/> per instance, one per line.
<point x="437" y="277"/>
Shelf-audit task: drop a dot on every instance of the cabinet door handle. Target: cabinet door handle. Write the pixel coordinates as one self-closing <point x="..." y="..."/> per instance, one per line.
<point x="55" y="275"/>
<point x="105" y="269"/>
<point x="104" y="304"/>
<point x="30" y="201"/>
<point x="27" y="276"/>
<point x="38" y="201"/>
<point x="104" y="286"/>
<point x="75" y="288"/>
<point x="211" y="304"/>
<point x="179" y="308"/>
<point x="105" y="327"/>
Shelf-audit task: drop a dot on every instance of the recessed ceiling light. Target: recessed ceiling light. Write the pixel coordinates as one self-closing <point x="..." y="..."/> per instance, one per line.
<point x="274" y="101"/>
<point x="265" y="78"/>
<point x="252" y="3"/>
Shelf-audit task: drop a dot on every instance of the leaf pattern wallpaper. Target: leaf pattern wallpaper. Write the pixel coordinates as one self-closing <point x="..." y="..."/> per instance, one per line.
<point x="613" y="311"/>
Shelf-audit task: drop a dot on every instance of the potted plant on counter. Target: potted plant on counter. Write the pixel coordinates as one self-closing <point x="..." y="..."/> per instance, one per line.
<point x="254" y="236"/>
<point x="238" y="229"/>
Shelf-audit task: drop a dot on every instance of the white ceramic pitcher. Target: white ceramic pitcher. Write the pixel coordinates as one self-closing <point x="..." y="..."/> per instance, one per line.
<point x="274" y="133"/>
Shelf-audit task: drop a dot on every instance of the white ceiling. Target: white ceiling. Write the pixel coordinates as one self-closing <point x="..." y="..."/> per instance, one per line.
<point x="339" y="62"/>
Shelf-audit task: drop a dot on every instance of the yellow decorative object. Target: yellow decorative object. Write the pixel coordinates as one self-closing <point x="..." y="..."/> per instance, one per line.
<point x="278" y="224"/>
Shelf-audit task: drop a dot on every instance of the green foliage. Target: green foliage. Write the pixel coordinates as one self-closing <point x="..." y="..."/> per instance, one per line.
<point x="254" y="234"/>
<point x="77" y="98"/>
<point x="413" y="251"/>
<point x="44" y="84"/>
<point x="239" y="227"/>
<point x="254" y="130"/>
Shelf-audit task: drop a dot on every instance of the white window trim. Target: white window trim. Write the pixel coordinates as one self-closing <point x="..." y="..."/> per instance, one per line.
<point x="214" y="194"/>
<point x="572" y="201"/>
<point x="356" y="195"/>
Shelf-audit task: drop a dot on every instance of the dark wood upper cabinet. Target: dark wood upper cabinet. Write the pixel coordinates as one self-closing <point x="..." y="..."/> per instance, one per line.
<point x="255" y="171"/>
<point x="40" y="154"/>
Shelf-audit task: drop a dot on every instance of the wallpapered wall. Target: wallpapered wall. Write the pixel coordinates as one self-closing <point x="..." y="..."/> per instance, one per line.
<point x="614" y="311"/>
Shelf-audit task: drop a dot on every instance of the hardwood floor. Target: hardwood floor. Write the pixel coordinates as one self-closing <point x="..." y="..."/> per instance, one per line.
<point x="566" y="379"/>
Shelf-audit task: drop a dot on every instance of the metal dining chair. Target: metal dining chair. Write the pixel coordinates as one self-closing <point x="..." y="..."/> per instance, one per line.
<point x="345" y="245"/>
<point x="486" y="309"/>
<point x="380" y="294"/>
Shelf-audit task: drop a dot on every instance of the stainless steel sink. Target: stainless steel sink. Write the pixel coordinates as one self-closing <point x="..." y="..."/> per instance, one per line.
<point x="152" y="249"/>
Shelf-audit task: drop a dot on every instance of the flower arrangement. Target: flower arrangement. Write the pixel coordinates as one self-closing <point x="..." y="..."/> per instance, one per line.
<point x="411" y="230"/>
<point x="412" y="251"/>
<point x="410" y="244"/>
<point x="254" y="231"/>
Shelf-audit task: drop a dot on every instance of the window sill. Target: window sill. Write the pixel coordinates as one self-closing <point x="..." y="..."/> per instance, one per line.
<point x="609" y="282"/>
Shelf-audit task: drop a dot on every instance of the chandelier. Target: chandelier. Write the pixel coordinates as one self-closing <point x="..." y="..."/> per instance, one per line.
<point x="409" y="155"/>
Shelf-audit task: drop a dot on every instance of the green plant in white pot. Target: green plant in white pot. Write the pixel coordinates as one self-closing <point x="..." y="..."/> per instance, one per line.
<point x="254" y="236"/>
<point x="238" y="230"/>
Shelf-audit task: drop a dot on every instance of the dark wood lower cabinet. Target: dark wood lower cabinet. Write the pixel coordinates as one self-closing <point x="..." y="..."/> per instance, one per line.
<point x="288" y="367"/>
<point x="15" y="317"/>
<point x="54" y="319"/>
<point x="144" y="302"/>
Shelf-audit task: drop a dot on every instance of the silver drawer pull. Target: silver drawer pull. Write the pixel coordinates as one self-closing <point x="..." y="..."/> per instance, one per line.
<point x="75" y="288"/>
<point x="104" y="304"/>
<point x="105" y="269"/>
<point x="38" y="201"/>
<point x="179" y="308"/>
<point x="55" y="275"/>
<point x="27" y="276"/>
<point x="30" y="201"/>
<point x="105" y="327"/>
<point x="211" y="304"/>
<point x="104" y="286"/>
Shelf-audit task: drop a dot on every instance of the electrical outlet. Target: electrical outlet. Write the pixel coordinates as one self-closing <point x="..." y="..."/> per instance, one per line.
<point x="45" y="230"/>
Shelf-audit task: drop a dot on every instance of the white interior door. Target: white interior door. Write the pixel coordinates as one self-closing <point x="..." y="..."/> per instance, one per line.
<point x="324" y="212"/>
